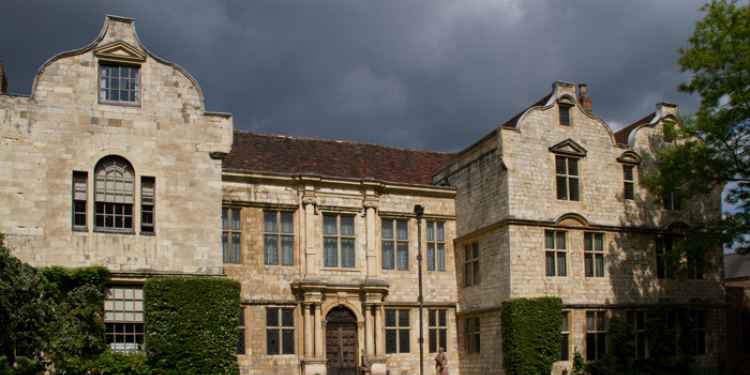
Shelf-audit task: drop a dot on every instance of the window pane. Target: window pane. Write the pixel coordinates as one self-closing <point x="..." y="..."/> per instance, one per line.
<point x="390" y="341"/>
<point x="549" y="239"/>
<point x="442" y="334"/>
<point x="560" y="240"/>
<point x="550" y="263"/>
<point x="347" y="252"/>
<point x="329" y="224"/>
<point x="573" y="188"/>
<point x="468" y="275"/>
<point x="561" y="265"/>
<point x="430" y="256"/>
<point x="560" y="165"/>
<point x="287" y="250"/>
<point x="331" y="252"/>
<point x="388" y="260"/>
<point x="627" y="172"/>
<point x="589" y="265"/>
<point x="390" y="318"/>
<point x="476" y="272"/>
<point x="287" y="317"/>
<point x="402" y="230"/>
<point x="387" y="229"/>
<point x="441" y="318"/>
<point x="441" y="257"/>
<point x="600" y="265"/>
<point x="403" y="256"/>
<point x="403" y="341"/>
<point x="599" y="242"/>
<point x="272" y="317"/>
<point x="236" y="218"/>
<point x="403" y="318"/>
<point x="588" y="241"/>
<point x="287" y="222"/>
<point x="347" y="225"/>
<point x="236" y="243"/>
<point x="272" y="341"/>
<point x="562" y="189"/>
<point x="564" y="351"/>
<point x="430" y="231"/>
<point x="441" y="231"/>
<point x="572" y="167"/>
<point x="269" y="221"/>
<point x="288" y="341"/>
<point x="591" y="346"/>
<point x="433" y="341"/>
<point x="271" y="250"/>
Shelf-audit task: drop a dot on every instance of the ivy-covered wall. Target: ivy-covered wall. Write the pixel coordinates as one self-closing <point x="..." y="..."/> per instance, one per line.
<point x="531" y="335"/>
<point x="192" y="325"/>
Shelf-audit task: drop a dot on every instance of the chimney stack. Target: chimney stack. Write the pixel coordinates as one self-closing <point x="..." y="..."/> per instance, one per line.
<point x="3" y="81"/>
<point x="584" y="98"/>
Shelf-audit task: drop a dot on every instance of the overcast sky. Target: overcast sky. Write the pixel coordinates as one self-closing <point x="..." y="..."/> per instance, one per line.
<point x="434" y="74"/>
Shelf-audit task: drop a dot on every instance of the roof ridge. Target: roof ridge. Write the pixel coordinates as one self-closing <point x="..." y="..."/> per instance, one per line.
<point x="347" y="141"/>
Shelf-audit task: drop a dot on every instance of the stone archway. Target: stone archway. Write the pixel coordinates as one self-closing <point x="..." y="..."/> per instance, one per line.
<point x="341" y="342"/>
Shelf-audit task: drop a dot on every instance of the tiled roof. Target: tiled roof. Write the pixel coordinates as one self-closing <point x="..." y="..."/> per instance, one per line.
<point x="621" y="136"/>
<point x="736" y="266"/>
<point x="288" y="155"/>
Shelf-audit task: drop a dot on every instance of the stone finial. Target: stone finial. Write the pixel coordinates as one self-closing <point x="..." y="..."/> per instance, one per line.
<point x="584" y="98"/>
<point x="3" y="80"/>
<point x="664" y="109"/>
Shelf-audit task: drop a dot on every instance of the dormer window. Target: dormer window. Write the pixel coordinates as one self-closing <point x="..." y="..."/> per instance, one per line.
<point x="564" y="113"/>
<point x="119" y="83"/>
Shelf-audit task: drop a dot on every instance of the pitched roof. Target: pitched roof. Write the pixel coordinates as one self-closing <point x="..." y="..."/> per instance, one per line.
<point x="622" y="135"/>
<point x="280" y="154"/>
<point x="736" y="266"/>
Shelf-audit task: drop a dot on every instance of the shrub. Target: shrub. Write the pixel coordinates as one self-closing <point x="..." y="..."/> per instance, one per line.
<point x="191" y="325"/>
<point x="77" y="327"/>
<point x="531" y="335"/>
<point x="110" y="363"/>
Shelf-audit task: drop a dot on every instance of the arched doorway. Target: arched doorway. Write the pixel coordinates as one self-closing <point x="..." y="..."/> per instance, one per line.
<point x="341" y="342"/>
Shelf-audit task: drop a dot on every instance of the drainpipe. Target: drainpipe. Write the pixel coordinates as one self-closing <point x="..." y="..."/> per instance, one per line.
<point x="419" y="211"/>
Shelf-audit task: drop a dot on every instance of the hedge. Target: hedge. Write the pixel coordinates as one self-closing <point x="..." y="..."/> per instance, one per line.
<point x="192" y="325"/>
<point x="531" y="335"/>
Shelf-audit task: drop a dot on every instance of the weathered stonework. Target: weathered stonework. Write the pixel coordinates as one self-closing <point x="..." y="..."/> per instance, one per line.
<point x="499" y="193"/>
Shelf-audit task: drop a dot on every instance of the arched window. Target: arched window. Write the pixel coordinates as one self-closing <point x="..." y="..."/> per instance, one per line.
<point x="114" y="193"/>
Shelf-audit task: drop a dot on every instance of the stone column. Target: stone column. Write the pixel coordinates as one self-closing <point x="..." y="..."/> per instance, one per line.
<point x="379" y="332"/>
<point x="372" y="260"/>
<point x="309" y="352"/>
<point x="369" y="331"/>
<point x="309" y="248"/>
<point x="318" y="333"/>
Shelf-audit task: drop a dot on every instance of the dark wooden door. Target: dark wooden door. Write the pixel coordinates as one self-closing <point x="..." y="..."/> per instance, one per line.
<point x="341" y="344"/>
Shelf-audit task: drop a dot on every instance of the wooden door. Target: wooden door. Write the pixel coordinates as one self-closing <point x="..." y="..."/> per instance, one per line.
<point x="341" y="343"/>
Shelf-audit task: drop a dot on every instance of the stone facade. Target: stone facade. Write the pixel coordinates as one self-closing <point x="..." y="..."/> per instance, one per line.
<point x="498" y="195"/>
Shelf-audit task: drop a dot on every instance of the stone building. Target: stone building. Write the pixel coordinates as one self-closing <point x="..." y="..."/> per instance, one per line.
<point x="113" y="160"/>
<point x="737" y="285"/>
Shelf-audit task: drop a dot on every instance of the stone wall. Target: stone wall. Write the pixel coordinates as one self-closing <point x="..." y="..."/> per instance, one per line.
<point x="309" y="199"/>
<point x="62" y="127"/>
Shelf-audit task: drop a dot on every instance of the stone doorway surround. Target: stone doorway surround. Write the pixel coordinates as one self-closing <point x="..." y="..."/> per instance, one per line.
<point x="365" y="301"/>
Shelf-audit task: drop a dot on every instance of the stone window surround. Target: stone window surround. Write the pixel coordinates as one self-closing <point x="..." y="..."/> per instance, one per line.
<point x="472" y="262"/>
<point x="437" y="322"/>
<point x="281" y="329"/>
<point x="279" y="234"/>
<point x="396" y="266"/>
<point x="231" y="233"/>
<point x="571" y="178"/>
<point x="138" y="91"/>
<point x="556" y="250"/>
<point x="399" y="328"/>
<point x="340" y="237"/>
<point x="565" y="331"/>
<point x="91" y="197"/>
<point x="123" y="317"/>
<point x="597" y="332"/>
<point x="438" y="246"/>
<point x="472" y="334"/>
<point x="594" y="254"/>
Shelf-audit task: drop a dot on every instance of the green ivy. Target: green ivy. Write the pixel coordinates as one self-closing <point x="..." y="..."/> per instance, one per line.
<point x="531" y="335"/>
<point x="191" y="325"/>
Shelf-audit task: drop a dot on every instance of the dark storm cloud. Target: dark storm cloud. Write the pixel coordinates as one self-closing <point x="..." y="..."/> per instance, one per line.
<point x="432" y="74"/>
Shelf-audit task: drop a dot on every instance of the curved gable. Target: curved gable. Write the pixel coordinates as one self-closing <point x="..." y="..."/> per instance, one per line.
<point x="117" y="41"/>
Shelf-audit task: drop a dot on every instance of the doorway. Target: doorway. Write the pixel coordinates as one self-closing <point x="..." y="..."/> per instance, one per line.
<point x="341" y="342"/>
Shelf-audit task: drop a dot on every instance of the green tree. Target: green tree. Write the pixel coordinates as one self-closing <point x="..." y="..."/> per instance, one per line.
<point x="23" y="313"/>
<point x="712" y="148"/>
